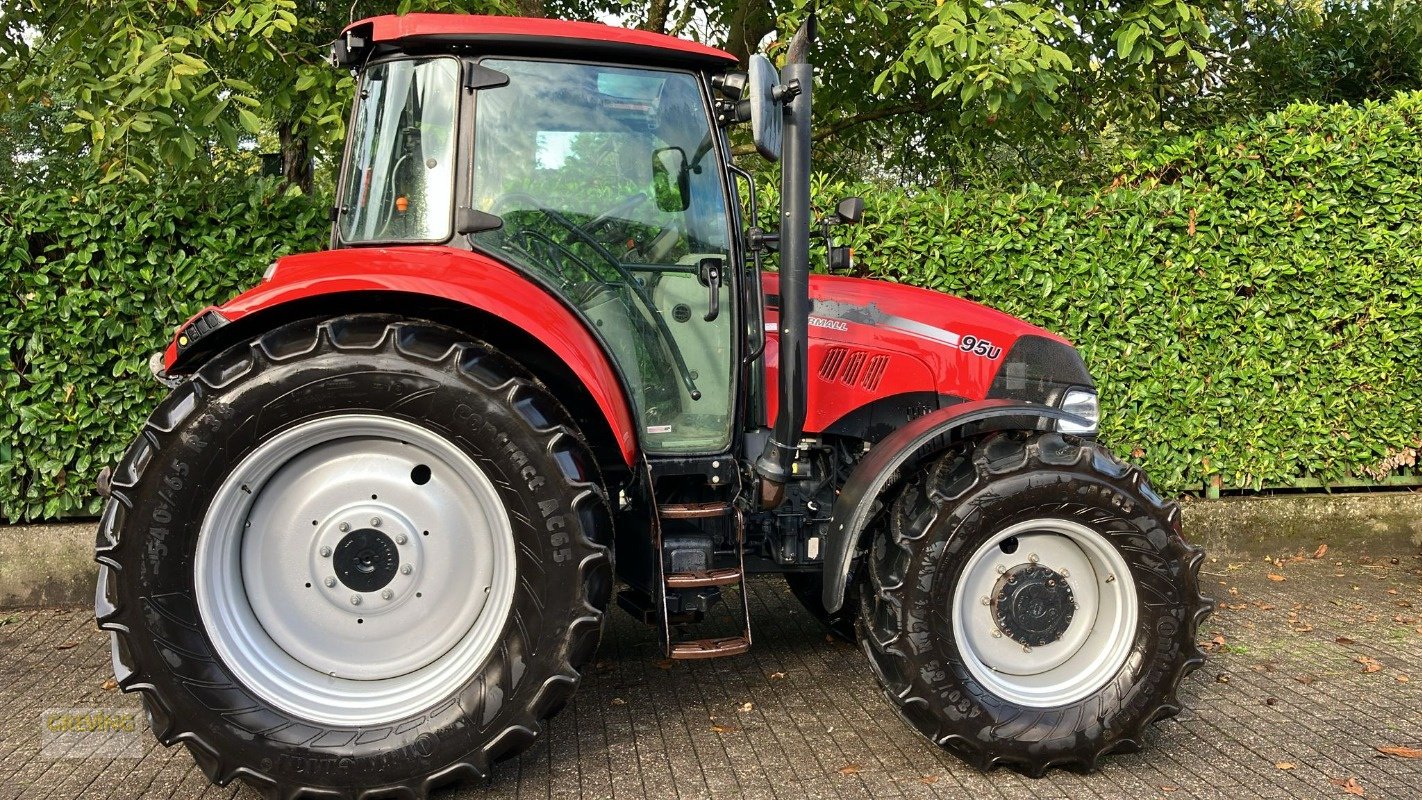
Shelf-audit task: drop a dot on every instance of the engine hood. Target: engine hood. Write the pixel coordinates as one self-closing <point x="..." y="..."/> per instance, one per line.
<point x="882" y="353"/>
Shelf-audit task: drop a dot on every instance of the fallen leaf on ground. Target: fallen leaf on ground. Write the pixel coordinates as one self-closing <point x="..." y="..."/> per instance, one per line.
<point x="1370" y="665"/>
<point x="1223" y="677"/>
<point x="1344" y="640"/>
<point x="1169" y="789"/>
<point x="777" y="676"/>
<point x="617" y="701"/>
<point x="1276" y="577"/>
<point x="1401" y="752"/>
<point x="747" y="706"/>
<point x="1400" y="678"/>
<point x="1306" y="680"/>
<point x="66" y="646"/>
<point x="928" y="780"/>
<point x="109" y="685"/>
<point x="1284" y="765"/>
<point x="1321" y="551"/>
<point x="850" y="769"/>
<point x="719" y="728"/>
<point x="1351" y="785"/>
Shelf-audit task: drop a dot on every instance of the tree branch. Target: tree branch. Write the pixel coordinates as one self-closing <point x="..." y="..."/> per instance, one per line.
<point x="841" y="125"/>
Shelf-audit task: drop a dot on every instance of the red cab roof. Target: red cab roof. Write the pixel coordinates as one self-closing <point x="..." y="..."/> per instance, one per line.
<point x="432" y="29"/>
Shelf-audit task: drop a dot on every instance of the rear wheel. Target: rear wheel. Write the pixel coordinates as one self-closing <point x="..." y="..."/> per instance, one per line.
<point x="360" y="555"/>
<point x="1031" y="602"/>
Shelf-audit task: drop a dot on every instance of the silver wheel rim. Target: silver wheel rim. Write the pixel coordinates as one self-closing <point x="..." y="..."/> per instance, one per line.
<point x="1086" y="653"/>
<point x="292" y="554"/>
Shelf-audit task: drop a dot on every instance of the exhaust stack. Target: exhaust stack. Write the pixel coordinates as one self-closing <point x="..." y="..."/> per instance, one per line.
<point x="797" y="80"/>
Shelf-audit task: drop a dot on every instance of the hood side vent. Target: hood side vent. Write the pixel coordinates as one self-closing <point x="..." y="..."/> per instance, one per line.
<point x="872" y="376"/>
<point x="853" y="366"/>
<point x="834" y="359"/>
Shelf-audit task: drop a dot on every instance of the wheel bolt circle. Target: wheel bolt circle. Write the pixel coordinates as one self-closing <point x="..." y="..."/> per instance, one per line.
<point x="355" y="599"/>
<point x="401" y="539"/>
<point x="330" y="583"/>
<point x="1033" y="558"/>
<point x="375" y="522"/>
<point x="406" y="569"/>
<point x="386" y="594"/>
<point x="1001" y="569"/>
<point x="344" y="526"/>
<point x="987" y="601"/>
<point x="325" y="552"/>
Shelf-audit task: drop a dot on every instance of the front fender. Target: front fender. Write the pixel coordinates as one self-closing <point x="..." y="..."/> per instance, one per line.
<point x="419" y="277"/>
<point x="907" y="447"/>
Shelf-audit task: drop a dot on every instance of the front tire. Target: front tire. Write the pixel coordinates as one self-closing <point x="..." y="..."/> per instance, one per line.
<point x="1031" y="603"/>
<point x="365" y="556"/>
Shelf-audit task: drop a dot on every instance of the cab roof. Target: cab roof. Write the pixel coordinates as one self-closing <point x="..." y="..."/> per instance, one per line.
<point x="434" y="33"/>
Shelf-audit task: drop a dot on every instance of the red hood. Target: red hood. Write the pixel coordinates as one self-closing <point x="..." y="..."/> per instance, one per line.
<point x="871" y="339"/>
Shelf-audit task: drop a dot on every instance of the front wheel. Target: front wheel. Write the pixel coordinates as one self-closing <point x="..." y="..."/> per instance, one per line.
<point x="1031" y="602"/>
<point x="354" y="556"/>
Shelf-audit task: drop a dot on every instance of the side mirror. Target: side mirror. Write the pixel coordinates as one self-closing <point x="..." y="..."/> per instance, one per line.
<point x="671" y="179"/>
<point x="850" y="211"/>
<point x="766" y="115"/>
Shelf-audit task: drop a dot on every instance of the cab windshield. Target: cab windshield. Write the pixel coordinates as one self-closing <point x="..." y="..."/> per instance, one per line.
<point x="399" y="181"/>
<point x="606" y="183"/>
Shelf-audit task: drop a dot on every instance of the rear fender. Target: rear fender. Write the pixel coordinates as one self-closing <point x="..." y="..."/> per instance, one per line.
<point x="465" y="290"/>
<point x="902" y="450"/>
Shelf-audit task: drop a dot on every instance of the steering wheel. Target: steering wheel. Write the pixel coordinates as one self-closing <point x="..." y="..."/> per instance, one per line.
<point x="627" y="203"/>
<point x="635" y="286"/>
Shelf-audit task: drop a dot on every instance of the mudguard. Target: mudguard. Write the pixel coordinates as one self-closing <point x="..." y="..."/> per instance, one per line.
<point x="905" y="447"/>
<point x="424" y="276"/>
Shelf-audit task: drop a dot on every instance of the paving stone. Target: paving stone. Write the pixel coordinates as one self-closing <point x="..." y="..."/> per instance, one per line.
<point x="637" y="730"/>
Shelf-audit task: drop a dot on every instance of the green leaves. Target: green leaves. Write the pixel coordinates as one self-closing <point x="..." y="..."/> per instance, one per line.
<point x="93" y="279"/>
<point x="1248" y="298"/>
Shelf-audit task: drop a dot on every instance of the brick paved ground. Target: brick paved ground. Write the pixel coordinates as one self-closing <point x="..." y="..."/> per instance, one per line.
<point x="1315" y="671"/>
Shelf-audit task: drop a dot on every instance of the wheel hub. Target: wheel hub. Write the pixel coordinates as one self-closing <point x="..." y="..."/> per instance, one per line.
<point x="366" y="560"/>
<point x="355" y="567"/>
<point x="1033" y="605"/>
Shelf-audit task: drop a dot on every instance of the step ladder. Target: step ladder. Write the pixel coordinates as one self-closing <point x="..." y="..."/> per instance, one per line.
<point x="716" y="647"/>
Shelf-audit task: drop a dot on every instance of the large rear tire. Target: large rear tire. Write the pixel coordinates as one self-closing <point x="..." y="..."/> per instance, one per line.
<point x="360" y="557"/>
<point x="1031" y="603"/>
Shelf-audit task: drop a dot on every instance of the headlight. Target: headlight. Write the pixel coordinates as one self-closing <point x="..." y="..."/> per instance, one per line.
<point x="1083" y="404"/>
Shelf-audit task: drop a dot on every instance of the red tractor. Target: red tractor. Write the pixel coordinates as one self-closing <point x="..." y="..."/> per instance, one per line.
<point x="367" y="544"/>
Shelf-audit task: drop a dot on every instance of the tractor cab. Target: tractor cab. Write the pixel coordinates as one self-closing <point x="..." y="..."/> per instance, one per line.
<point x="600" y="174"/>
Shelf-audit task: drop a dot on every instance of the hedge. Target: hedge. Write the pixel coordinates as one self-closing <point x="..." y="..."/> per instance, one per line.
<point x="1247" y="297"/>
<point x="92" y="281"/>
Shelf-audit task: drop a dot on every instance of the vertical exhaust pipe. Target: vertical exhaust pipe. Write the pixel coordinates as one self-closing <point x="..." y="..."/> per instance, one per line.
<point x="797" y="81"/>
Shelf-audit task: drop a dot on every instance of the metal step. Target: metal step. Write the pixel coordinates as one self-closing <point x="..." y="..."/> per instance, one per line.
<point x="722" y="576"/>
<point x="710" y="648"/>
<point x="695" y="510"/>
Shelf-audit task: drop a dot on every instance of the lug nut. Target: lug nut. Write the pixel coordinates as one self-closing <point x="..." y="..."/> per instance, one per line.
<point x="386" y="594"/>
<point x="406" y="569"/>
<point x="1033" y="558"/>
<point x="997" y="634"/>
<point x="401" y="539"/>
<point x="1026" y="649"/>
<point x="987" y="601"/>
<point x="344" y="526"/>
<point x="325" y="552"/>
<point x="330" y="583"/>
<point x="1001" y="569"/>
<point x="375" y="522"/>
<point x="1066" y="573"/>
<point x="355" y="599"/>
